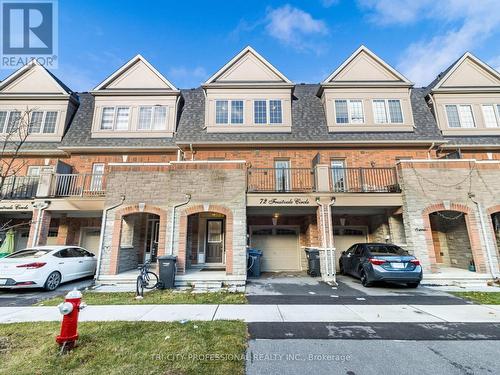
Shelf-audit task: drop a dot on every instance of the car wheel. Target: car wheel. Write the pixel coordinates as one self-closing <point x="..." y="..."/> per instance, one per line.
<point x="53" y="281"/>
<point x="364" y="280"/>
<point x="413" y="285"/>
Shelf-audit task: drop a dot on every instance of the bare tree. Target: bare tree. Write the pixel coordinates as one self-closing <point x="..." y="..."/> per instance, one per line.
<point x="17" y="128"/>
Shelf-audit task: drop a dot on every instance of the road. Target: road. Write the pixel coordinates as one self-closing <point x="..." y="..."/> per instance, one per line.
<point x="357" y="357"/>
<point x="28" y="297"/>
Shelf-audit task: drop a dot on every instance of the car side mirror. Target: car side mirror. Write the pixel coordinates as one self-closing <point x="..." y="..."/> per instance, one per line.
<point x="92" y="255"/>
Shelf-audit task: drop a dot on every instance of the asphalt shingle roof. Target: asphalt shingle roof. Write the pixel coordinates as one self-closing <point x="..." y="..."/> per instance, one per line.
<point x="308" y="122"/>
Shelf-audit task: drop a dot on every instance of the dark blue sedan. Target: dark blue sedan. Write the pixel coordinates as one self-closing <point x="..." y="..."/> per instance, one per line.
<point x="372" y="262"/>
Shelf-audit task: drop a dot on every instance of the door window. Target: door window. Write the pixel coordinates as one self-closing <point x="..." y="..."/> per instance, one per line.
<point x="282" y="168"/>
<point x="97" y="177"/>
<point x="214" y="231"/>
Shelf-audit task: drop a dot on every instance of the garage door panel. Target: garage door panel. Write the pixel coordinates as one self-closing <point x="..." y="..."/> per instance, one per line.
<point x="280" y="252"/>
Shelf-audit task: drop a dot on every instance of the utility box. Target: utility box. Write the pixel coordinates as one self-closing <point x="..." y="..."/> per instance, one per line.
<point x="167" y="268"/>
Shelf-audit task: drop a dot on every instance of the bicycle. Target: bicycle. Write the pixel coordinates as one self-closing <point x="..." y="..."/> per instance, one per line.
<point x="146" y="279"/>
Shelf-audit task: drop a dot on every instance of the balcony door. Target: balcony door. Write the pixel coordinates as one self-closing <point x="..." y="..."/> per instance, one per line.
<point x="282" y="175"/>
<point x="97" y="176"/>
<point x="339" y="181"/>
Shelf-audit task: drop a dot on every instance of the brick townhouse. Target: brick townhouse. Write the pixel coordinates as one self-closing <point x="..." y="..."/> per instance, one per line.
<point x="136" y="168"/>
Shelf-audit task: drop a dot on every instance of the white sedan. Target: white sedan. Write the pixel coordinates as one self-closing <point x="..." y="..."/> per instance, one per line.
<point x="46" y="267"/>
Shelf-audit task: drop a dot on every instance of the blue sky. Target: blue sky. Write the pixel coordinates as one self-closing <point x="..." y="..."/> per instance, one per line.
<point x="188" y="41"/>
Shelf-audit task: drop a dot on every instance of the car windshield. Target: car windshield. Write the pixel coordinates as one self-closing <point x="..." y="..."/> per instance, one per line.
<point x="28" y="253"/>
<point x="386" y="250"/>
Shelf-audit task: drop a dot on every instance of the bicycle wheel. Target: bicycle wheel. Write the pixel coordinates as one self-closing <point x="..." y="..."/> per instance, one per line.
<point x="151" y="280"/>
<point x="139" y="291"/>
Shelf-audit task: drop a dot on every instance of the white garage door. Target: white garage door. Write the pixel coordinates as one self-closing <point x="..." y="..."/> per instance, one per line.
<point x="280" y="248"/>
<point x="345" y="237"/>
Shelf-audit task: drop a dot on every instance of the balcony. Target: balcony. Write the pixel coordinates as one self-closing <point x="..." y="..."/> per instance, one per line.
<point x="19" y="187"/>
<point x="54" y="186"/>
<point x="338" y="180"/>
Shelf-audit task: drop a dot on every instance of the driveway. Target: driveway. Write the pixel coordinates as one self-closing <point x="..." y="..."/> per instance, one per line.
<point x="28" y="297"/>
<point x="299" y="288"/>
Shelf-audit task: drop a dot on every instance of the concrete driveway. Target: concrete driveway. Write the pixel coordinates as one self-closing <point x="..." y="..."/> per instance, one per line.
<point x="28" y="297"/>
<point x="299" y="288"/>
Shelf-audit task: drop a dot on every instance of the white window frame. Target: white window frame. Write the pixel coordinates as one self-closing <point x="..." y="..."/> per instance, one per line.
<point x="96" y="181"/>
<point x="4" y="126"/>
<point x="229" y="111"/>
<point x="349" y="117"/>
<point x="387" y="112"/>
<point x="115" y="117"/>
<point x="460" y="116"/>
<point x="268" y="112"/>
<point x="32" y="168"/>
<point x="496" y="112"/>
<point x="167" y="110"/>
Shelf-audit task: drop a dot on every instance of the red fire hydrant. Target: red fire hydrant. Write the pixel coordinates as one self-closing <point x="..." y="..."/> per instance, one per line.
<point x="70" y="308"/>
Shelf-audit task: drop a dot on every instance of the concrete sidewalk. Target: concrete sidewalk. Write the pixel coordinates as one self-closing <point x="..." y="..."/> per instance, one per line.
<point x="266" y="313"/>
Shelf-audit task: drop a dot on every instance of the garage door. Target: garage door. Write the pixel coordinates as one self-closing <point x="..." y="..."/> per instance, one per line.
<point x="280" y="247"/>
<point x="90" y="240"/>
<point x="345" y="237"/>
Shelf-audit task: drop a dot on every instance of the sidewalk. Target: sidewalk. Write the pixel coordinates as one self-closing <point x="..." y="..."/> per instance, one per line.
<point x="267" y="313"/>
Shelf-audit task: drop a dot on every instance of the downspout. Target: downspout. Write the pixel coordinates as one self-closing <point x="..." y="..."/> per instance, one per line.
<point x="192" y="152"/>
<point x="485" y="234"/>
<point x="40" y="206"/>
<point x="101" y="238"/>
<point x="172" y="227"/>
<point x="430" y="149"/>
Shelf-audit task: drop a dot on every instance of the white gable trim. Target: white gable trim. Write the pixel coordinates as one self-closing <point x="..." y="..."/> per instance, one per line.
<point x="23" y="70"/>
<point x="236" y="58"/>
<point x="455" y="66"/>
<point x="127" y="66"/>
<point x="365" y="49"/>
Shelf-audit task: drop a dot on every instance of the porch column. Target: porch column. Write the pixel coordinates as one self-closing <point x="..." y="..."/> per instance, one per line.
<point x="43" y="228"/>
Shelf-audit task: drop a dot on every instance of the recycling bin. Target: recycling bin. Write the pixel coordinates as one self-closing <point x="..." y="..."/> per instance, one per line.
<point x="313" y="263"/>
<point x="254" y="262"/>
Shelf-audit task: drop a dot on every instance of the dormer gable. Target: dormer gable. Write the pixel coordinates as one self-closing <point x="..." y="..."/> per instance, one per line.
<point x="248" y="67"/>
<point x="137" y="75"/>
<point x="33" y="79"/>
<point x="136" y="101"/>
<point x="469" y="73"/>
<point x="363" y="67"/>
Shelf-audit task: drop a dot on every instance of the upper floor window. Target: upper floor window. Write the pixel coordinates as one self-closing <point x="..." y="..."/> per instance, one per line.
<point x="229" y="112"/>
<point x="349" y="111"/>
<point x="267" y="111"/>
<point x="491" y="113"/>
<point x="460" y="116"/>
<point x="115" y="118"/>
<point x="152" y="118"/>
<point x="40" y="122"/>
<point x="387" y="111"/>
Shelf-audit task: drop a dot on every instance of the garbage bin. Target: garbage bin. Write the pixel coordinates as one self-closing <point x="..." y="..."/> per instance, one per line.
<point x="166" y="267"/>
<point x="253" y="262"/>
<point x="313" y="265"/>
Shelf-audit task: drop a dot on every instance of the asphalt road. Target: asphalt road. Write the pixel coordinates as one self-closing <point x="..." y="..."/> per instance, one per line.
<point x="30" y="296"/>
<point x="357" y="357"/>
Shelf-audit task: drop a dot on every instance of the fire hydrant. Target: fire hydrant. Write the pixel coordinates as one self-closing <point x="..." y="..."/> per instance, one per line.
<point x="70" y="308"/>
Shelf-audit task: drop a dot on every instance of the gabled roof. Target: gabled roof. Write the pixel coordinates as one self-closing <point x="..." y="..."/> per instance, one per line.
<point x="481" y="75"/>
<point x="363" y="66"/>
<point x="246" y="67"/>
<point x="136" y="70"/>
<point x="40" y="81"/>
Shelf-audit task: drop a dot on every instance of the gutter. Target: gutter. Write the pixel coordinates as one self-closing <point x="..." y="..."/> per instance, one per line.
<point x="171" y="244"/>
<point x="39" y="206"/>
<point x="101" y="238"/>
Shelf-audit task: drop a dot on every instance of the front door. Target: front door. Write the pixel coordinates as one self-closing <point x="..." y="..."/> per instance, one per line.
<point x="152" y="235"/>
<point x="215" y="241"/>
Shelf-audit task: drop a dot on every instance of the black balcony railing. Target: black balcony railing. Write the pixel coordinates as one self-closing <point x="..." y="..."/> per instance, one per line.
<point x="19" y="187"/>
<point x="339" y="180"/>
<point x="364" y="180"/>
<point x="280" y="180"/>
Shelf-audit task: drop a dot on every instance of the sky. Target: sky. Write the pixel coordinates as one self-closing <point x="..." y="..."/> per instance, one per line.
<point x="188" y="41"/>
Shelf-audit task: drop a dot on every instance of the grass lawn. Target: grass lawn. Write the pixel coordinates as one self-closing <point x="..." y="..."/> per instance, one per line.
<point x="126" y="348"/>
<point x="156" y="297"/>
<point x="485" y="298"/>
